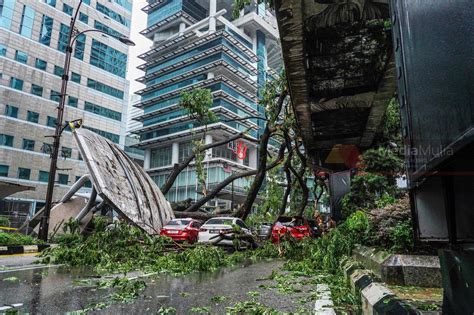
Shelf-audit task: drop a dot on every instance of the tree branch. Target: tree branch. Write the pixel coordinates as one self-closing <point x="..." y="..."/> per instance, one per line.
<point x="178" y="168"/>
<point x="230" y="179"/>
<point x="260" y="175"/>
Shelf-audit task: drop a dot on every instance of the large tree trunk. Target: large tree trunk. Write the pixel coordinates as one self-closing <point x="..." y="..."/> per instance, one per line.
<point x="288" y="187"/>
<point x="262" y="151"/>
<point x="178" y="168"/>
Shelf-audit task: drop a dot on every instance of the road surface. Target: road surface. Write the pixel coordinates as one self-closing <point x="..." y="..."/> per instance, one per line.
<point x="56" y="290"/>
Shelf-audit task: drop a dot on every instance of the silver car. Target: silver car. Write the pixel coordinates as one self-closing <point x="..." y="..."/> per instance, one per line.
<point x="209" y="232"/>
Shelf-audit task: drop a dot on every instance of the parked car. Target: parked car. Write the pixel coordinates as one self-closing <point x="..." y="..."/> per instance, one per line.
<point x="264" y="230"/>
<point x="182" y="230"/>
<point x="296" y="227"/>
<point x="210" y="230"/>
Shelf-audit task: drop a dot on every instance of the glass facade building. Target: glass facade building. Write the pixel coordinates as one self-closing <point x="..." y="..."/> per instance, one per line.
<point x="198" y="44"/>
<point x="33" y="39"/>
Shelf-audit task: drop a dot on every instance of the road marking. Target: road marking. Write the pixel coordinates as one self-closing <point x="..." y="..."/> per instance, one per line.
<point x="20" y="268"/>
<point x="16" y="255"/>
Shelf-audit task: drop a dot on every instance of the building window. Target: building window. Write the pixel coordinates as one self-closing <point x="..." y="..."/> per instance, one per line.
<point x="36" y="90"/>
<point x="102" y="111"/>
<point x="75" y="77"/>
<point x="6" y="140"/>
<point x="50" y="2"/>
<point x="3" y="50"/>
<point x="160" y="157"/>
<point x="46" y="30"/>
<point x="63" y="39"/>
<point x="108" y="135"/>
<point x="63" y="179"/>
<point x="80" y="47"/>
<point x="83" y="17"/>
<point x="4" y="170"/>
<point x="32" y="117"/>
<point x="24" y="173"/>
<point x="112" y="14"/>
<point x="21" y="56"/>
<point x="59" y="71"/>
<point x="67" y="9"/>
<point x="124" y="3"/>
<point x="51" y="122"/>
<point x="16" y="83"/>
<point x="55" y="96"/>
<point x="185" y="150"/>
<point x="27" y="19"/>
<point x="11" y="111"/>
<point x="101" y="87"/>
<point x="6" y="13"/>
<point x="63" y="36"/>
<point x="88" y="2"/>
<point x="43" y="176"/>
<point x="108" y="58"/>
<point x="46" y="148"/>
<point x="72" y="101"/>
<point x="28" y="145"/>
<point x="40" y="64"/>
<point x="108" y="30"/>
<point x="66" y="152"/>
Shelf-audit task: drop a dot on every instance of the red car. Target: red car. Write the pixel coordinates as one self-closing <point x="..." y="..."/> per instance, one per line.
<point x="182" y="230"/>
<point x="296" y="227"/>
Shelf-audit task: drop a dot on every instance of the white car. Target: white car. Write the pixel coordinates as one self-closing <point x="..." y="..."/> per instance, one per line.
<point x="210" y="230"/>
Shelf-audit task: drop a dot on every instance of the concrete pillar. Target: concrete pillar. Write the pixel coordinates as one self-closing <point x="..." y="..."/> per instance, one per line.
<point x="182" y="27"/>
<point x="208" y="140"/>
<point x="146" y="162"/>
<point x="252" y="152"/>
<point x="212" y="14"/>
<point x="210" y="75"/>
<point x="175" y="153"/>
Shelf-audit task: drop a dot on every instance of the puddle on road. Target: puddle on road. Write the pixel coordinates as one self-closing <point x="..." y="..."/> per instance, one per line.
<point x="55" y="290"/>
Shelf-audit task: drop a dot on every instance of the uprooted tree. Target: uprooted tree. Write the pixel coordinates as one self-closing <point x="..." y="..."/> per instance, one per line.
<point x="277" y="144"/>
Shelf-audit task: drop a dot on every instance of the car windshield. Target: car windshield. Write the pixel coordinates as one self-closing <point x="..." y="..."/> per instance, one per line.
<point x="218" y="221"/>
<point x="290" y="222"/>
<point x="179" y="222"/>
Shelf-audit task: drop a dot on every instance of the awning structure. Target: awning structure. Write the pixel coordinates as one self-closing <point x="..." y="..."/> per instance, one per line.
<point x="8" y="188"/>
<point x="340" y="68"/>
<point x="123" y="184"/>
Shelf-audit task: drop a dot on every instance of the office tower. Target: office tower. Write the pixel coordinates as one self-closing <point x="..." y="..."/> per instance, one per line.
<point x="33" y="38"/>
<point x="199" y="44"/>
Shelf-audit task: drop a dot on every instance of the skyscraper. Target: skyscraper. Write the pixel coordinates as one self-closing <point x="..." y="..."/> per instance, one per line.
<point x="198" y="44"/>
<point x="33" y="38"/>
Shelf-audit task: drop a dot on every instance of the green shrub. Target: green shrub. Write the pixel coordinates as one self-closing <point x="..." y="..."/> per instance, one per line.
<point x="4" y="221"/>
<point x="17" y="239"/>
<point x="401" y="236"/>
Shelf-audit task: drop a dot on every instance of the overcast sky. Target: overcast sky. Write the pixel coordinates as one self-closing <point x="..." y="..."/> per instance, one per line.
<point x="142" y="44"/>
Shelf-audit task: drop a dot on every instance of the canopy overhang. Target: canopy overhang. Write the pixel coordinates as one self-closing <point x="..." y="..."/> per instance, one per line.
<point x="340" y="68"/>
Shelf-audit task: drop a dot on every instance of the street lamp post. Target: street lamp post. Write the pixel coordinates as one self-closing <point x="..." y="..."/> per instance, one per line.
<point x="44" y="224"/>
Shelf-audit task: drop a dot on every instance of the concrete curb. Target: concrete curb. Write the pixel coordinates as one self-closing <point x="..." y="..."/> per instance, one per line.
<point x="22" y="249"/>
<point x="324" y="304"/>
<point x="410" y="270"/>
<point x="375" y="297"/>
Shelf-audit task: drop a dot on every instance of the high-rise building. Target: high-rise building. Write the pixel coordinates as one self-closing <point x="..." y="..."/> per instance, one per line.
<point x="199" y="44"/>
<point x="33" y="38"/>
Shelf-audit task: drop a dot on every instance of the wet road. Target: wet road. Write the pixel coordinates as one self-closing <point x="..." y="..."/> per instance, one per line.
<point x="55" y="290"/>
